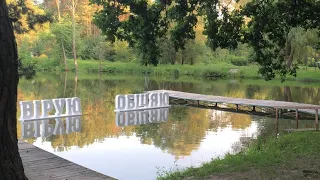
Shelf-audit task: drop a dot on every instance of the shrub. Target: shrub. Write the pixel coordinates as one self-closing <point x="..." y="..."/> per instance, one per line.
<point x="239" y="61"/>
<point x="213" y="73"/>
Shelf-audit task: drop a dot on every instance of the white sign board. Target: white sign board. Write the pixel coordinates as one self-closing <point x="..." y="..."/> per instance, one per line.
<point x="144" y="101"/>
<point x="50" y="108"/>
<point x="130" y="118"/>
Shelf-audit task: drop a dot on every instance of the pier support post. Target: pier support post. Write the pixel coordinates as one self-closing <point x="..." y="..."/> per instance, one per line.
<point x="277" y="122"/>
<point x="280" y="115"/>
<point x="317" y="119"/>
<point x="198" y="103"/>
<point x="237" y="107"/>
<point x="216" y="105"/>
<point x="254" y="109"/>
<point x="297" y="118"/>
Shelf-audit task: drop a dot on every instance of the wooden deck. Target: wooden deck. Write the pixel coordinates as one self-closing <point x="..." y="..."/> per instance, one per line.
<point x="42" y="165"/>
<point x="276" y="105"/>
<point x="306" y="108"/>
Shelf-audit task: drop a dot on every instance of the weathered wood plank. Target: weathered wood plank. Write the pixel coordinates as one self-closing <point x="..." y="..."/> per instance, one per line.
<point x="300" y="130"/>
<point x="42" y="165"/>
<point x="303" y="106"/>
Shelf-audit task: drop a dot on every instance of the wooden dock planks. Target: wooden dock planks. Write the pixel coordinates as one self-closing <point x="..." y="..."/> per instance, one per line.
<point x="42" y="165"/>
<point x="306" y="108"/>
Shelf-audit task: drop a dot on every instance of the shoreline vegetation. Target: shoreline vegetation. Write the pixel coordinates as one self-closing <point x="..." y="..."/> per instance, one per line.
<point x="216" y="70"/>
<point x="290" y="156"/>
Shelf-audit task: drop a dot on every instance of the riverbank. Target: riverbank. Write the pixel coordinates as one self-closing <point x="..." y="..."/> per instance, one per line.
<point x="291" y="156"/>
<point x="219" y="70"/>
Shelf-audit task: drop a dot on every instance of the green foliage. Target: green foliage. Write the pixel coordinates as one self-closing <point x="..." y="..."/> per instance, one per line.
<point x="43" y="44"/>
<point x="277" y="35"/>
<point x="45" y="64"/>
<point x="26" y="62"/>
<point x="96" y="48"/>
<point x="142" y="29"/>
<point x="260" y="156"/>
<point x="269" y="29"/>
<point x="239" y="61"/>
<point x="26" y="15"/>
<point x="63" y="35"/>
<point x="123" y="52"/>
<point x="184" y="21"/>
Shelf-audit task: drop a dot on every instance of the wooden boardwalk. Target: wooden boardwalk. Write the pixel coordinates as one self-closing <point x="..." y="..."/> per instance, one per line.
<point x="42" y="165"/>
<point x="277" y="105"/>
<point x="308" y="108"/>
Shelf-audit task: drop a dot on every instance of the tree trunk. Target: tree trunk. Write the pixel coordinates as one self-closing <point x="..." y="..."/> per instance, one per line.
<point x="74" y="34"/>
<point x="65" y="84"/>
<point x="64" y="57"/>
<point x="11" y="167"/>
<point x="58" y="9"/>
<point x="75" y="84"/>
<point x="289" y="54"/>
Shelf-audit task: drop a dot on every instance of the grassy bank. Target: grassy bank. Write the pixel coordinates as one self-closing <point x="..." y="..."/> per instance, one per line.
<point x="291" y="156"/>
<point x="221" y="70"/>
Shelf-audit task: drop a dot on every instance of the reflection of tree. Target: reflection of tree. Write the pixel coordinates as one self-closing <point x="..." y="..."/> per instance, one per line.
<point x="179" y="136"/>
<point x="287" y="94"/>
<point x="221" y="119"/>
<point x="251" y="90"/>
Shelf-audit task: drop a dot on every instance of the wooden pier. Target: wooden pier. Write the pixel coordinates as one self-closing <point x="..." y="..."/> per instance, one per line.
<point x="278" y="106"/>
<point x="42" y="165"/>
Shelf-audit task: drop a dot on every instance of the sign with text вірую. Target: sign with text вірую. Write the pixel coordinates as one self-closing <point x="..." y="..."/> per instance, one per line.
<point x="43" y="109"/>
<point x="143" y="101"/>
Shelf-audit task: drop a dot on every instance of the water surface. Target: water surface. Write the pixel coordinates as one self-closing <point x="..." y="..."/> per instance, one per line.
<point x="189" y="137"/>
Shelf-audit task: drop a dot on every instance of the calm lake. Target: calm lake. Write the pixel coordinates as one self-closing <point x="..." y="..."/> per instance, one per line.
<point x="189" y="137"/>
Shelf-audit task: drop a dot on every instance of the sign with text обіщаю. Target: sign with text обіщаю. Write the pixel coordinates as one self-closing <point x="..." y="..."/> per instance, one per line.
<point x="43" y="109"/>
<point x="143" y="101"/>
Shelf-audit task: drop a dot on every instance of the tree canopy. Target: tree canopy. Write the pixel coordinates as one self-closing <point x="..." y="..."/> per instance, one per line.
<point x="266" y="25"/>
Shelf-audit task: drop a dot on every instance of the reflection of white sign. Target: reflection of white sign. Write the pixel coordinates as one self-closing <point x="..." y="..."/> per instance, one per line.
<point x="44" y="128"/>
<point x="130" y="118"/>
<point x="141" y="101"/>
<point x="30" y="110"/>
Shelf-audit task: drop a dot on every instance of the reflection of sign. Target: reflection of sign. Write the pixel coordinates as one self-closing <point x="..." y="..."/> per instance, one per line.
<point x="30" y="110"/>
<point x="46" y="128"/>
<point x="141" y="101"/>
<point x="142" y="117"/>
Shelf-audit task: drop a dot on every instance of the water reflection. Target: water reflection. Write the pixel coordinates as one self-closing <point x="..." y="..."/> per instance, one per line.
<point x="110" y="142"/>
<point x="47" y="128"/>
<point x="130" y="118"/>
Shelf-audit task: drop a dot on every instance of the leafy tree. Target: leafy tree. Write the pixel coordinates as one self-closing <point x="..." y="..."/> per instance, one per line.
<point x="26" y="15"/>
<point x="265" y="25"/>
<point x="142" y="29"/>
<point x="62" y="32"/>
<point x="26" y="63"/>
<point x="43" y="44"/>
<point x="269" y="28"/>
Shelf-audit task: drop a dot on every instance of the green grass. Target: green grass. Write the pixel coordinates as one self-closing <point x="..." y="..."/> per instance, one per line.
<point x="260" y="156"/>
<point x="220" y="70"/>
